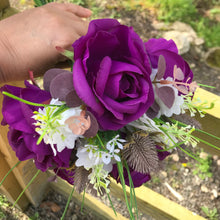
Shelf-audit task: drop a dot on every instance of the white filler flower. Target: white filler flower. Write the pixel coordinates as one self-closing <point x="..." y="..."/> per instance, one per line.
<point x="53" y="128"/>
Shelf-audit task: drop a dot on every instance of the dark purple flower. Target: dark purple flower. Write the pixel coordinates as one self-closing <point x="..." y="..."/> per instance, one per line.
<point x="157" y="47"/>
<point x="22" y="136"/>
<point x="111" y="73"/>
<point x="66" y="174"/>
<point x="167" y="63"/>
<point x="137" y="178"/>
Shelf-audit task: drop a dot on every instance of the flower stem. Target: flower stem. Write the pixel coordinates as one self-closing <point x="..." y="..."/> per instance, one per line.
<point x="82" y="204"/>
<point x="33" y="178"/>
<point x="111" y="204"/>
<point x="120" y="172"/>
<point x="100" y="141"/>
<point x="9" y="172"/>
<point x="68" y="202"/>
<point x="25" y="101"/>
<point x="203" y="85"/>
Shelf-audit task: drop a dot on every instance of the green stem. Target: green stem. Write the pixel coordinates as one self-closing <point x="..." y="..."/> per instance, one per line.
<point x="103" y="146"/>
<point x="111" y="204"/>
<point x="132" y="190"/>
<point x="33" y="178"/>
<point x="189" y="154"/>
<point x="186" y="152"/>
<point x="170" y="148"/>
<point x="27" y="102"/>
<point x="67" y="204"/>
<point x="205" y="142"/>
<point x="9" y="172"/>
<point x="120" y="172"/>
<point x="203" y="85"/>
<point x="82" y="204"/>
<point x="201" y="131"/>
<point x="204" y="132"/>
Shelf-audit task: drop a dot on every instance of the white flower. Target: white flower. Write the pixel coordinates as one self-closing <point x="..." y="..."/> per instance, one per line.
<point x="98" y="177"/>
<point x="90" y="155"/>
<point x="147" y="124"/>
<point x="177" y="104"/>
<point x="54" y="129"/>
<point x="114" y="147"/>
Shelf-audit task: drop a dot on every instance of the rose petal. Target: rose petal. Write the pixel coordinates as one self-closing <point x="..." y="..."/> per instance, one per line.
<point x="161" y="44"/>
<point x="83" y="90"/>
<point x="102" y="75"/>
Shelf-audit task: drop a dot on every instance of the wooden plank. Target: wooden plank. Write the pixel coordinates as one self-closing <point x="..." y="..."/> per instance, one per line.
<point x="209" y="97"/>
<point x="154" y="204"/>
<point x="10" y="186"/>
<point x="25" y="170"/>
<point x="211" y="122"/>
<point x="99" y="209"/>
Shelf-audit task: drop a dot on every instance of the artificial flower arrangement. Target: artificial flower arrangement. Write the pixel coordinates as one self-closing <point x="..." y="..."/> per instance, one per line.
<point x="119" y="113"/>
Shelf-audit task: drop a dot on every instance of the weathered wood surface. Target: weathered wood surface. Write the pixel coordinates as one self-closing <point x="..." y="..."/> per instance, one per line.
<point x="211" y="122"/>
<point x="99" y="209"/>
<point x="148" y="202"/>
<point x="154" y="204"/>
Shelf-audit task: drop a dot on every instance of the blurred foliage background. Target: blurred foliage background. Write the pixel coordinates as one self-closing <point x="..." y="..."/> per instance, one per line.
<point x="202" y="15"/>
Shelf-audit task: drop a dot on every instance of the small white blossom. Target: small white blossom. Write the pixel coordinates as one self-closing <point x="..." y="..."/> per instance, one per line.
<point x="54" y="129"/>
<point x="90" y="155"/>
<point x="114" y="145"/>
<point x="175" y="108"/>
<point x="147" y="124"/>
<point x="98" y="177"/>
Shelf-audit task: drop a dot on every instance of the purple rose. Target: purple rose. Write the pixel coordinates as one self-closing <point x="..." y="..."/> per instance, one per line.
<point x="111" y="73"/>
<point x="157" y="47"/>
<point x="169" y="68"/>
<point x="22" y="135"/>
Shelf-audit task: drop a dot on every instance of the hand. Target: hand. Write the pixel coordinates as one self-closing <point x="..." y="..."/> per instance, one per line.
<point x="28" y="39"/>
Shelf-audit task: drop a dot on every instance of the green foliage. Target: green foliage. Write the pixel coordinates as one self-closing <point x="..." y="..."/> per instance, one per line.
<point x="102" y="138"/>
<point x="175" y="10"/>
<point x="186" y="11"/>
<point x="36" y="216"/>
<point x="2" y="214"/>
<point x="77" y="2"/>
<point x="202" y="169"/>
<point x="211" y="214"/>
<point x="42" y="2"/>
<point x="3" y="201"/>
<point x="3" y="204"/>
<point x="208" y="30"/>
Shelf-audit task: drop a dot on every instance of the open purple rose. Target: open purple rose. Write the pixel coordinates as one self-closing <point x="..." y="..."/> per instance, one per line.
<point x="157" y="47"/>
<point x="111" y="73"/>
<point x="22" y="135"/>
<point x="172" y="72"/>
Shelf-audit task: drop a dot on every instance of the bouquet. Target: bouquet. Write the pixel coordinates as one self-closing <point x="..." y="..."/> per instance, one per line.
<point x="124" y="107"/>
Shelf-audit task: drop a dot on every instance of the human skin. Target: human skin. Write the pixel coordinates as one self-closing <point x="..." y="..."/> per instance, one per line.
<point x="28" y="39"/>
